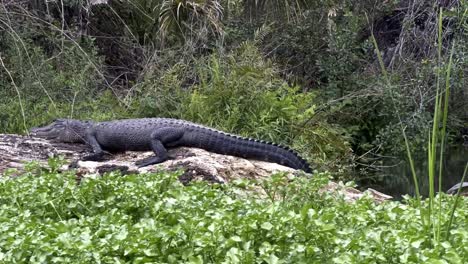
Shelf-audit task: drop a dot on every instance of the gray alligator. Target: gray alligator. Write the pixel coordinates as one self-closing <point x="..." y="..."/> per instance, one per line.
<point x="158" y="134"/>
<point x="463" y="186"/>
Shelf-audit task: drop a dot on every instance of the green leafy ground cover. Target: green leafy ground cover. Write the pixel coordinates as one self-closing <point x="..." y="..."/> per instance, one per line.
<point x="46" y="217"/>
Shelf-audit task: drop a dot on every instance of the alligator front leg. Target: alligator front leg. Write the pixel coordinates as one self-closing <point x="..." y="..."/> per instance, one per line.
<point x="98" y="153"/>
<point x="167" y="136"/>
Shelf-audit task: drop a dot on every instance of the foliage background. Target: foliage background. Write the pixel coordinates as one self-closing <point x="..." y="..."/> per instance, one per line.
<point x="298" y="72"/>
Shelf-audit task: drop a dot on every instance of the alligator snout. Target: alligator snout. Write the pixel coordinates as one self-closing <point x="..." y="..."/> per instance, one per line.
<point x="44" y="132"/>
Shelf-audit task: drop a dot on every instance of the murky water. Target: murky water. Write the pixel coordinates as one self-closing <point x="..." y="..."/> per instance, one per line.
<point x="397" y="179"/>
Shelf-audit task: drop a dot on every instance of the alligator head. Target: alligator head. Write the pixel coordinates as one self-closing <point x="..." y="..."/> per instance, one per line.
<point x="462" y="185"/>
<point x="63" y="130"/>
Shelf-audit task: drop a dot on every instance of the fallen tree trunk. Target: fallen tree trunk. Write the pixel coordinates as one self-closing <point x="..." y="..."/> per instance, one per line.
<point x="196" y="164"/>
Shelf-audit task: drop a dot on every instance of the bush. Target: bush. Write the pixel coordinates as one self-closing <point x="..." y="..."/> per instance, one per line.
<point x="361" y="97"/>
<point x="48" y="74"/>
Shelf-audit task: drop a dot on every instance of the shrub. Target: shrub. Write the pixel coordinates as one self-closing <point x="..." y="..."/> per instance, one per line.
<point x="47" y="74"/>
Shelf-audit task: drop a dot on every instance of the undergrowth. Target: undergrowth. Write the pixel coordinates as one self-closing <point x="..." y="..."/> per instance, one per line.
<point x="45" y="216"/>
<point x="431" y="216"/>
<point x="43" y="78"/>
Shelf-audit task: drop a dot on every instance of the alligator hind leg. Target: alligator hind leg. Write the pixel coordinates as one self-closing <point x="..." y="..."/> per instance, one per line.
<point x="168" y="136"/>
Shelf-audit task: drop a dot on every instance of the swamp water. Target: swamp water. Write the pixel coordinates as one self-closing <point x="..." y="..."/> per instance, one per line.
<point x="397" y="179"/>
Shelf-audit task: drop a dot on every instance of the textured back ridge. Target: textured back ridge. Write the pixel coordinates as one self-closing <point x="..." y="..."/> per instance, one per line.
<point x="269" y="151"/>
<point x="231" y="144"/>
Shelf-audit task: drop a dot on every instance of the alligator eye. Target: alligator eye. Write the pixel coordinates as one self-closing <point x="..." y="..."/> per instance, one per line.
<point x="59" y="120"/>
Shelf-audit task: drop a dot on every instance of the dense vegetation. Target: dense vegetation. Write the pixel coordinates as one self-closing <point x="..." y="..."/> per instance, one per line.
<point x="346" y="83"/>
<point x="46" y="217"/>
<point x="303" y="73"/>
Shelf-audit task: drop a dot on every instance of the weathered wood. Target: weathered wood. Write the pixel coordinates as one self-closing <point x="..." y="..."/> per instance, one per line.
<point x="197" y="164"/>
<point x="16" y="150"/>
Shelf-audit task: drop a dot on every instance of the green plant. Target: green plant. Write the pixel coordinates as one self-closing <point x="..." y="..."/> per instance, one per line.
<point x="431" y="217"/>
<point x="45" y="216"/>
<point x="357" y="97"/>
<point x="184" y="18"/>
<point x="275" y="10"/>
<point x="152" y="23"/>
<point x="46" y="73"/>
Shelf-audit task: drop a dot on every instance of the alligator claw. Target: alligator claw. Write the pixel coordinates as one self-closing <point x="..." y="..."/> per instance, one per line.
<point x="149" y="161"/>
<point x="94" y="157"/>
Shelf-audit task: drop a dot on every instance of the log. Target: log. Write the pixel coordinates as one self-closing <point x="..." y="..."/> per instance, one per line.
<point x="195" y="164"/>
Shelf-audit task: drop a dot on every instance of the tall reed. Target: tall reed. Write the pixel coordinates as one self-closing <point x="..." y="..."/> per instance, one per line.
<point x="436" y="139"/>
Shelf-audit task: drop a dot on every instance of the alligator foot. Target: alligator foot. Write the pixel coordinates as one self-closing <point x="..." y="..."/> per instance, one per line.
<point x="94" y="157"/>
<point x="149" y="161"/>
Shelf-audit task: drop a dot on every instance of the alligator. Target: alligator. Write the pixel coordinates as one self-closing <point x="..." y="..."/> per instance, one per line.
<point x="463" y="186"/>
<point x="159" y="134"/>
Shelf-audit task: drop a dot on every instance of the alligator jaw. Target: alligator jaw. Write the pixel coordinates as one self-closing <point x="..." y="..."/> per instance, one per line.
<point x="47" y="132"/>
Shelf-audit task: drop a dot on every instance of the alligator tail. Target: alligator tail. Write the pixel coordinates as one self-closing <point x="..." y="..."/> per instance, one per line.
<point x="258" y="149"/>
<point x="280" y="154"/>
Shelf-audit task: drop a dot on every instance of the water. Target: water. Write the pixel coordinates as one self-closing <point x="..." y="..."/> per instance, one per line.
<point x="397" y="180"/>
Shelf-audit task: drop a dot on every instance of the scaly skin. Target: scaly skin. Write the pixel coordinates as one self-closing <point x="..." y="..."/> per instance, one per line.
<point x="454" y="189"/>
<point x="158" y="134"/>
